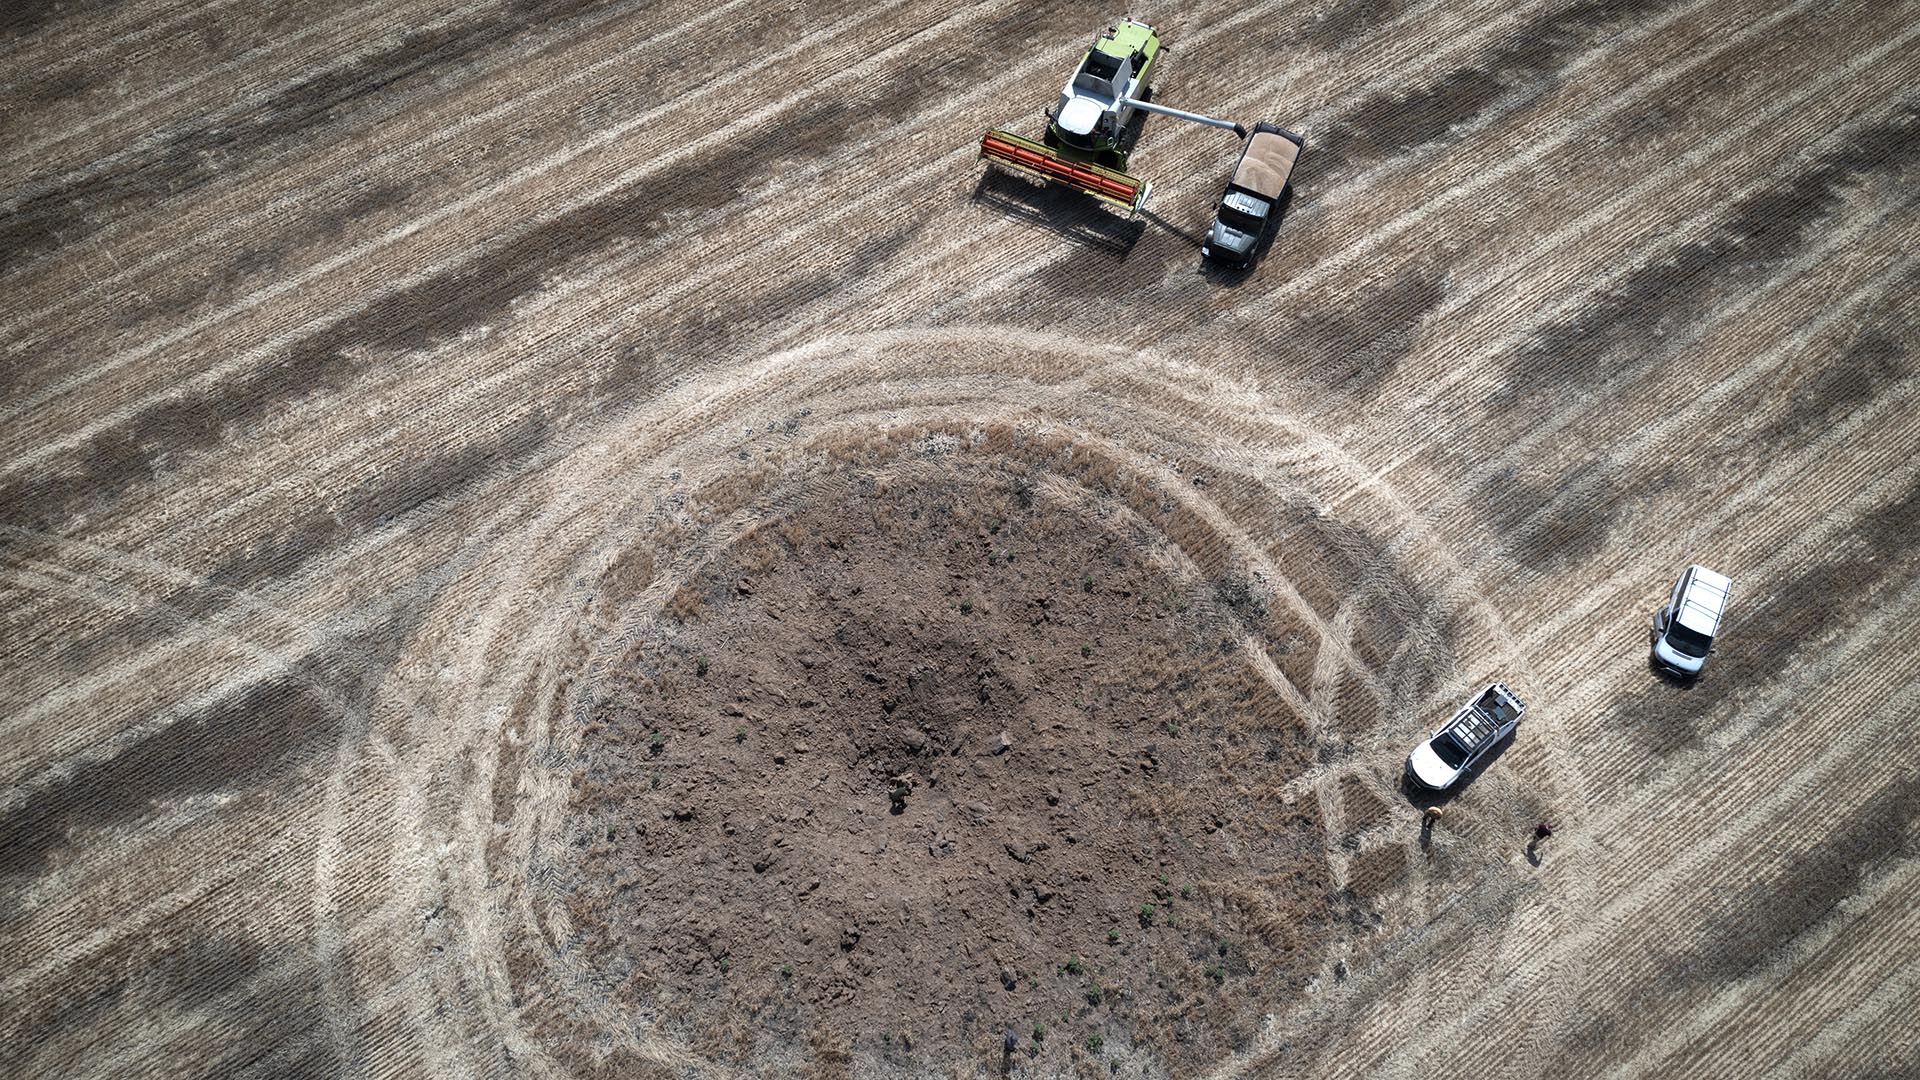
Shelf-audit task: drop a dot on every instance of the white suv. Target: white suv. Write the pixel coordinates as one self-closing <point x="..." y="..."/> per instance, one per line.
<point x="1683" y="630"/>
<point x="1459" y="745"/>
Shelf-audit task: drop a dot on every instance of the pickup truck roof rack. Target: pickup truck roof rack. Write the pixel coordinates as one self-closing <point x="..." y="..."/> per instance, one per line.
<point x="1473" y="728"/>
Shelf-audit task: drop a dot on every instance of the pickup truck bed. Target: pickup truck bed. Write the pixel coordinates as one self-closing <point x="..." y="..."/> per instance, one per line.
<point x="1267" y="163"/>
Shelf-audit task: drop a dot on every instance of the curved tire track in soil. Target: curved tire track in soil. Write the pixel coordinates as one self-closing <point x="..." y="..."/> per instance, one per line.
<point x="447" y="484"/>
<point x="570" y="594"/>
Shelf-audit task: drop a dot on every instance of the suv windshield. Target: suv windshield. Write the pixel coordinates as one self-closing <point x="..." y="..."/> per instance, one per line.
<point x="1691" y="642"/>
<point x="1449" y="749"/>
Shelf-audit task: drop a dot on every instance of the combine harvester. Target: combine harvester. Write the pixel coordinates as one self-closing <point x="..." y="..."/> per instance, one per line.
<point x="1099" y="117"/>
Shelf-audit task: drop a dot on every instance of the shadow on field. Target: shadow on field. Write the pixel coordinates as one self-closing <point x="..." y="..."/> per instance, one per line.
<point x="1193" y="239"/>
<point x="1079" y="218"/>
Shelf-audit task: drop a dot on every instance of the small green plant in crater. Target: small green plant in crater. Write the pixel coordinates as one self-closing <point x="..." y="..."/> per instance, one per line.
<point x="1146" y="914"/>
<point x="1095" y="1043"/>
<point x="700" y="666"/>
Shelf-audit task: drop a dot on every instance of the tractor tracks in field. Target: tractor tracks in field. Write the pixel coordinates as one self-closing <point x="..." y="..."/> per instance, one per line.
<point x="569" y="544"/>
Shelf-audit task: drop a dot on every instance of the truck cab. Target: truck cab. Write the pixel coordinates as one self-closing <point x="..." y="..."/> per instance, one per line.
<point x="1249" y="210"/>
<point x="1453" y="749"/>
<point x="1684" y="628"/>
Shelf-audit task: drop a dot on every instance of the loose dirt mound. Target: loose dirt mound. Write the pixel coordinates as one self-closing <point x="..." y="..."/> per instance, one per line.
<point x="946" y="759"/>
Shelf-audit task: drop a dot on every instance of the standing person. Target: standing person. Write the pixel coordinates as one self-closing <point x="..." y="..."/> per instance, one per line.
<point x="1540" y="832"/>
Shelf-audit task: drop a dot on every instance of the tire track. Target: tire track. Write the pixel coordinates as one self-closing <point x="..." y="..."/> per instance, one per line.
<point x="354" y="255"/>
<point x="219" y="223"/>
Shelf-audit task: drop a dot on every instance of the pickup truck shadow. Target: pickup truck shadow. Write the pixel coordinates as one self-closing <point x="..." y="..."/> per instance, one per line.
<point x="1229" y="277"/>
<point x="1420" y="798"/>
<point x="1079" y="218"/>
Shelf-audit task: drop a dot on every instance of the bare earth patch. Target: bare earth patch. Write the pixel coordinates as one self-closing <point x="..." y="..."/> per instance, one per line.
<point x="944" y="760"/>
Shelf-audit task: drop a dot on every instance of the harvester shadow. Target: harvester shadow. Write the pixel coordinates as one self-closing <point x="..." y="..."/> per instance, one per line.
<point x="1164" y="225"/>
<point x="1079" y="218"/>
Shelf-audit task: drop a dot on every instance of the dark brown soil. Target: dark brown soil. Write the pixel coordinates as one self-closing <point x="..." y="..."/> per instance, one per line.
<point x="1087" y="840"/>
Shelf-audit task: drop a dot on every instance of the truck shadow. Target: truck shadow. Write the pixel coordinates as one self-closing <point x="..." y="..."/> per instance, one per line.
<point x="1080" y="219"/>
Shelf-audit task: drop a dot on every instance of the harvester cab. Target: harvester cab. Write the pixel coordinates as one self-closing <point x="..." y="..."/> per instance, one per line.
<point x="1092" y="130"/>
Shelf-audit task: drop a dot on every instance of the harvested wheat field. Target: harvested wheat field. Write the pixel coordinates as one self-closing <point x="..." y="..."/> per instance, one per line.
<point x="589" y="539"/>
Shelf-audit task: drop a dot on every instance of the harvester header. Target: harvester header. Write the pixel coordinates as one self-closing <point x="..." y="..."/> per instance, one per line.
<point x="1028" y="156"/>
<point x="1092" y="130"/>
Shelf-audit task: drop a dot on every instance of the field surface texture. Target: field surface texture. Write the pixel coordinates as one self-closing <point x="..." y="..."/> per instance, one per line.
<point x="592" y="539"/>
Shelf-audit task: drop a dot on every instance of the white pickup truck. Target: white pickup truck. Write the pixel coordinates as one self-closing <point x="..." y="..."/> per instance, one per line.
<point x="1683" y="629"/>
<point x="1460" y="743"/>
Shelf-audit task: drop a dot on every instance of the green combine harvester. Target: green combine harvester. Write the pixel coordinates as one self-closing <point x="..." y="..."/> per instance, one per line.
<point x="1093" y="129"/>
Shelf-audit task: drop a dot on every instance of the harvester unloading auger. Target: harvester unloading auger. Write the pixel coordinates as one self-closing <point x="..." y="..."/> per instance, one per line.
<point x="1092" y="131"/>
